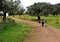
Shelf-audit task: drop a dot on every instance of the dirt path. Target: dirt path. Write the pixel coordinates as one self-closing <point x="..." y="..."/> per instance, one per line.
<point x="41" y="34"/>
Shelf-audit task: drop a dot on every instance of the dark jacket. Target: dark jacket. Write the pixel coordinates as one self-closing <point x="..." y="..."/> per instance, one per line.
<point x="38" y="17"/>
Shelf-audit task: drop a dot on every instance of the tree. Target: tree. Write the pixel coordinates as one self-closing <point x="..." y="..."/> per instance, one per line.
<point x="1" y="4"/>
<point x="20" y="11"/>
<point x="45" y="12"/>
<point x="38" y="9"/>
<point x="9" y="6"/>
<point x="45" y="9"/>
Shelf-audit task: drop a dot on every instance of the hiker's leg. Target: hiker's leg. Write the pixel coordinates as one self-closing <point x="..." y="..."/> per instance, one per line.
<point x="38" y="24"/>
<point x="42" y="24"/>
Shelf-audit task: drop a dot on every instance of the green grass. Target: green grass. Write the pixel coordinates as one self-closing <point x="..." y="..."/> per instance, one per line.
<point x="27" y="17"/>
<point x="0" y="18"/>
<point x="53" y="23"/>
<point x="34" y="18"/>
<point x="11" y="32"/>
<point x="51" y="20"/>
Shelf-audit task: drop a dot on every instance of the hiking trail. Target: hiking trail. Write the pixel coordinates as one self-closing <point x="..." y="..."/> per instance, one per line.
<point x="41" y="34"/>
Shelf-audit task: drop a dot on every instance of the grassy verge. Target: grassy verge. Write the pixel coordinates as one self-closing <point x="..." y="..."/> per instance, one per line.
<point x="0" y="18"/>
<point x="10" y="32"/>
<point x="34" y="18"/>
<point x="53" y="23"/>
<point x="27" y="17"/>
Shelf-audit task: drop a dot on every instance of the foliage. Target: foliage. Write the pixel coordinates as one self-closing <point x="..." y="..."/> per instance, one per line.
<point x="13" y="7"/>
<point x="10" y="32"/>
<point x="21" y="11"/>
<point x="42" y="8"/>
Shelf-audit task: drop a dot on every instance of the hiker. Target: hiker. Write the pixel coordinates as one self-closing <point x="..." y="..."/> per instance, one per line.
<point x="42" y="23"/>
<point x="39" y="20"/>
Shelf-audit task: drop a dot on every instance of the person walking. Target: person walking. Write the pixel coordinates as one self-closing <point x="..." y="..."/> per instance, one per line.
<point x="39" y="20"/>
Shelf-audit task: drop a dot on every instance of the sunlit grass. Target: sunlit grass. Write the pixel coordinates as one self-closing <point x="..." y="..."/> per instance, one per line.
<point x="10" y="32"/>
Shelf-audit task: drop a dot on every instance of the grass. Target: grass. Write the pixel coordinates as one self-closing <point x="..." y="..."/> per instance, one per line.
<point x="27" y="17"/>
<point x="51" y="20"/>
<point x="0" y="18"/>
<point x="34" y="18"/>
<point x="11" y="32"/>
<point x="53" y="23"/>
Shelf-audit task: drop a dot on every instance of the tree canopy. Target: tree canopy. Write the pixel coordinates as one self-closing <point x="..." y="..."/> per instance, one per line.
<point x="42" y="8"/>
<point x="11" y="6"/>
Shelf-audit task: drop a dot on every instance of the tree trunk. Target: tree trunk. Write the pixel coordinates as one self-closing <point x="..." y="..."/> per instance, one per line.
<point x="4" y="15"/>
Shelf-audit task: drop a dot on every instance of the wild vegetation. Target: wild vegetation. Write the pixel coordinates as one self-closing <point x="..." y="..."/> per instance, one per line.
<point x="13" y="32"/>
